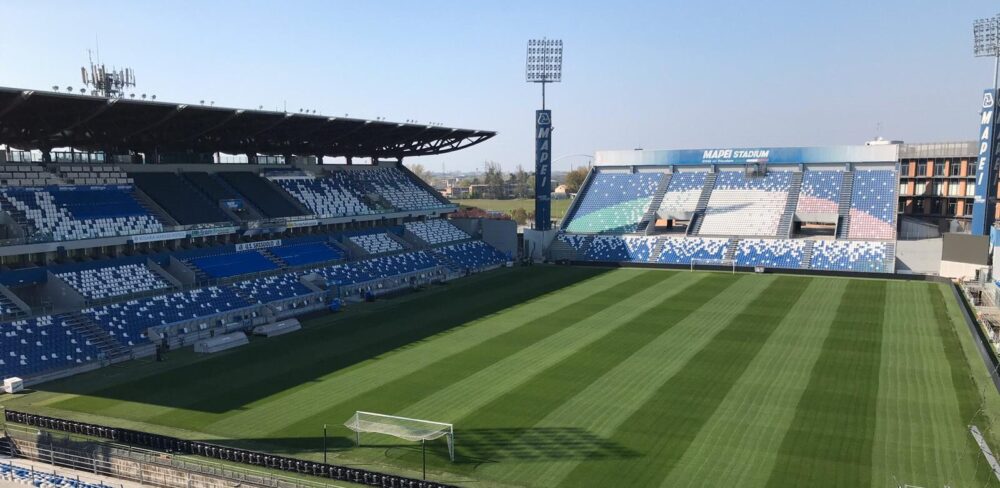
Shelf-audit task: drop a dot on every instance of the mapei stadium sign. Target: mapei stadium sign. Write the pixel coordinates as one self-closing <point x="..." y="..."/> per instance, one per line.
<point x="543" y="169"/>
<point x="984" y="205"/>
<point x="735" y="155"/>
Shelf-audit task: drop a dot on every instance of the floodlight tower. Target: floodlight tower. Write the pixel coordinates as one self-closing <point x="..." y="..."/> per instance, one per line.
<point x="986" y="43"/>
<point x="544" y="65"/>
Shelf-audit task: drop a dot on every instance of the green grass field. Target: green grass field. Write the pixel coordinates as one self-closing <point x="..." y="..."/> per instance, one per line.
<point x="561" y="376"/>
<point x="559" y="207"/>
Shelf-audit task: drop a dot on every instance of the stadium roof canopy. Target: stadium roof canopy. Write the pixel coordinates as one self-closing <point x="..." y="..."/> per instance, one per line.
<point x="46" y="120"/>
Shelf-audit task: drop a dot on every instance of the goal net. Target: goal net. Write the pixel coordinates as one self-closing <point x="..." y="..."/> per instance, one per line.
<point x="703" y="263"/>
<point x="401" y="427"/>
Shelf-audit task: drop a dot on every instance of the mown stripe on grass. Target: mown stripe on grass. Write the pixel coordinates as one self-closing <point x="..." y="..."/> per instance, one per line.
<point x="363" y="377"/>
<point x="663" y="428"/>
<point x="747" y="428"/>
<point x="501" y="429"/>
<point x="830" y="440"/>
<point x="407" y="390"/>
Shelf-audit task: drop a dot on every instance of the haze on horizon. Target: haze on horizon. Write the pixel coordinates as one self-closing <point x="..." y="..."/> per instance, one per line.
<point x="637" y="74"/>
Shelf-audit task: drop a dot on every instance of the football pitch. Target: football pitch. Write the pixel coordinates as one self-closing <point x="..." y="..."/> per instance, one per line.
<point x="562" y="376"/>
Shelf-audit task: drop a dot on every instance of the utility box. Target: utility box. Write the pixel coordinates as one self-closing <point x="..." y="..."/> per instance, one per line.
<point x="13" y="385"/>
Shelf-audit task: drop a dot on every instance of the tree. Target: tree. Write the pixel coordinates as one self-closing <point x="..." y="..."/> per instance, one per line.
<point x="575" y="178"/>
<point x="494" y="180"/>
<point x="522" y="183"/>
<point x="422" y="173"/>
<point x="519" y="215"/>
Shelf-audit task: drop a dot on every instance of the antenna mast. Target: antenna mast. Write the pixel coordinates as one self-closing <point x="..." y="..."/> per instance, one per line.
<point x="104" y="82"/>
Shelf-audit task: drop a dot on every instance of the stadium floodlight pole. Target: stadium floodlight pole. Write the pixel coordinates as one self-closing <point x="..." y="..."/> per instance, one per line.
<point x="986" y="43"/>
<point x="543" y="64"/>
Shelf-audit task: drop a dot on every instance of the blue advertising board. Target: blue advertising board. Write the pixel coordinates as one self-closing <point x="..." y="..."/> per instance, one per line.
<point x="885" y="153"/>
<point x="984" y="205"/>
<point x="543" y="169"/>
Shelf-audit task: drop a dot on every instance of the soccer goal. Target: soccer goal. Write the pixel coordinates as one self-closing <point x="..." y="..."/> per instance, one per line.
<point x="725" y="263"/>
<point x="401" y="427"/>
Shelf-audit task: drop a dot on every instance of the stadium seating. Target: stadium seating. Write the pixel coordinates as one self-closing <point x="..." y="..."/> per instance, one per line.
<point x="307" y="253"/>
<point x="233" y="264"/>
<point x="575" y="241"/>
<point x="743" y="205"/>
<point x="7" y="307"/>
<point x="376" y="243"/>
<point x="70" y="213"/>
<point x="613" y="203"/>
<point x="113" y="281"/>
<point x="682" y="195"/>
<point x="861" y="256"/>
<point x="378" y="268"/>
<point x="680" y="250"/>
<point x="620" y="249"/>
<point x="330" y="196"/>
<point x="437" y="231"/>
<point x="260" y="192"/>
<point x="36" y="345"/>
<point x="26" y="175"/>
<point x="873" y="205"/>
<point x="13" y="474"/>
<point x="820" y="192"/>
<point x="270" y="288"/>
<point x="770" y="253"/>
<point x="93" y="174"/>
<point x="213" y="188"/>
<point x="185" y="204"/>
<point x="128" y="321"/>
<point x="472" y="255"/>
<point x="397" y="188"/>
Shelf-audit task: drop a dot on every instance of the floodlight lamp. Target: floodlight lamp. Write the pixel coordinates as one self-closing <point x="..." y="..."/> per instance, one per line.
<point x="986" y="37"/>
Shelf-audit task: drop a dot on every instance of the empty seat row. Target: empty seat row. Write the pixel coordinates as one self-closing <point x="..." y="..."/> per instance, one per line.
<point x="860" y="256"/>
<point x="260" y="192"/>
<point x="307" y="253"/>
<point x="378" y="268"/>
<point x="472" y="255"/>
<point x="770" y="253"/>
<point x="233" y="264"/>
<point x="10" y="473"/>
<point x="179" y="199"/>
<point x="70" y="213"/>
<point x="114" y="281"/>
<point x="377" y="243"/>
<point x="873" y="205"/>
<point x="335" y="195"/>
<point x="746" y="205"/>
<point x="614" y="202"/>
<point x="129" y="321"/>
<point x="37" y="345"/>
<point x="396" y="187"/>
<point x="436" y="231"/>
<point x="681" y="197"/>
<point x="270" y="288"/>
<point x="820" y="192"/>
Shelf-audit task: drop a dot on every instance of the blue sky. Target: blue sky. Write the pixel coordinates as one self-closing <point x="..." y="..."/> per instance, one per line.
<point x="637" y="74"/>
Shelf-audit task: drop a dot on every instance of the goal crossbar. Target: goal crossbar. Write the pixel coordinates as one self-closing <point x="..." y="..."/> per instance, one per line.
<point x="401" y="427"/>
<point x="722" y="263"/>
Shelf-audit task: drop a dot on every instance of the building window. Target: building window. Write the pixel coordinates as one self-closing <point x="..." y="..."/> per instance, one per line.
<point x="970" y="189"/>
<point x="956" y="168"/>
<point x="952" y="188"/>
<point x="939" y="188"/>
<point x="905" y="169"/>
<point x="920" y="188"/>
<point x="953" y="207"/>
<point x="922" y="168"/>
<point x="902" y="189"/>
<point x="939" y="168"/>
<point x="918" y="205"/>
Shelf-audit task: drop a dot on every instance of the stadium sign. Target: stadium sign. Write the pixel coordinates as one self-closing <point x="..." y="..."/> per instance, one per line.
<point x="984" y="205"/>
<point x="887" y="153"/>
<point x="543" y="169"/>
<point x="162" y="236"/>
<point x="212" y="231"/>
<point x="250" y="246"/>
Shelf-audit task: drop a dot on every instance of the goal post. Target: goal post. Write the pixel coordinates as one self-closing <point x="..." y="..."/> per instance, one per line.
<point x="725" y="263"/>
<point x="401" y="427"/>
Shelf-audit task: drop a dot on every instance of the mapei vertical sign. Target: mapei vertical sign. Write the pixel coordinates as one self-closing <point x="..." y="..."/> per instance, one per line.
<point x="984" y="205"/>
<point x="543" y="169"/>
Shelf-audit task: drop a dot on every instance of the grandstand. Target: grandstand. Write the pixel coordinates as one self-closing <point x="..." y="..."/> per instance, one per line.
<point x="770" y="215"/>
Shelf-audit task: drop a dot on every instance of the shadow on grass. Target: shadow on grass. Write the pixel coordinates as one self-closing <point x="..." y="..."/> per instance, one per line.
<point x="472" y="447"/>
<point x="237" y="378"/>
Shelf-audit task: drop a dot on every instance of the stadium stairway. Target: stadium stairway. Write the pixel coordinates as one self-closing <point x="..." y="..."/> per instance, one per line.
<point x="94" y="334"/>
<point x="807" y="254"/>
<point x="654" y="253"/>
<point x="446" y="261"/>
<point x="18" y="215"/>
<point x="694" y="226"/>
<point x="648" y="222"/>
<point x="150" y="206"/>
<point x="844" y="208"/>
<point x="787" y="218"/>
<point x="890" y="257"/>
<point x="274" y="259"/>
<point x="731" y="247"/>
<point x="571" y="211"/>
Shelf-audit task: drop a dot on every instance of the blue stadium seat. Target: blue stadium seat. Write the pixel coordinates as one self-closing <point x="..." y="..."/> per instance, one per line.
<point x="613" y="203"/>
<point x="473" y="255"/>
<point x="873" y="205"/>
<point x="742" y="205"/>
<point x="234" y="264"/>
<point x="37" y="345"/>
<point x="307" y="253"/>
<point x="73" y="212"/>
<point x="271" y="288"/>
<point x="860" y="256"/>
<point x="770" y="253"/>
<point x="820" y="192"/>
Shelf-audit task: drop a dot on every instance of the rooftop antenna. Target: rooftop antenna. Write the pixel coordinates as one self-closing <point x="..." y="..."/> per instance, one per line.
<point x="104" y="82"/>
